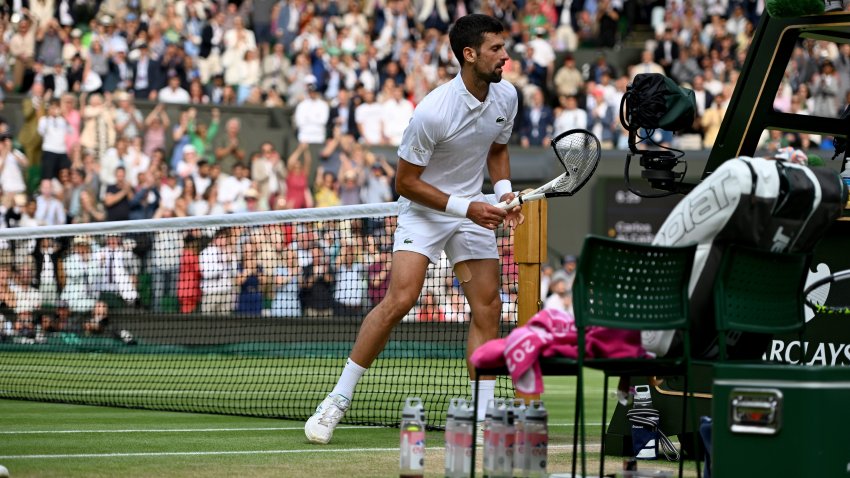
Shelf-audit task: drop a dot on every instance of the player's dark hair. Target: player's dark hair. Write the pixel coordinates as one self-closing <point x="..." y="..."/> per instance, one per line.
<point x="469" y="30"/>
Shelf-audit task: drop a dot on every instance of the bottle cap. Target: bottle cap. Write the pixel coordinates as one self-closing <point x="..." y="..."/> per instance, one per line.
<point x="413" y="408"/>
<point x="536" y="411"/>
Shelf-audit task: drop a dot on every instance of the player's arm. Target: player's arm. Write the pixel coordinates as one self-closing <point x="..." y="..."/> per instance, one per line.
<point x="499" y="167"/>
<point x="409" y="184"/>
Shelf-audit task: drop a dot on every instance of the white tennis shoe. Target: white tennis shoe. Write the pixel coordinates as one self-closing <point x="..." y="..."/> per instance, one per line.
<point x="320" y="427"/>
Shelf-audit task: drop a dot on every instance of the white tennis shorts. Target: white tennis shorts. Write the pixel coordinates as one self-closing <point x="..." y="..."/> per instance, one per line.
<point x="429" y="232"/>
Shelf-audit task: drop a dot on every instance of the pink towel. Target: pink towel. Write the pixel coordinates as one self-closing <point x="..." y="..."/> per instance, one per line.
<point x="550" y="333"/>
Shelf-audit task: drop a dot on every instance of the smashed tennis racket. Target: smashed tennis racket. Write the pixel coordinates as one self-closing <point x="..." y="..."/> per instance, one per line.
<point x="578" y="151"/>
<point x="817" y="292"/>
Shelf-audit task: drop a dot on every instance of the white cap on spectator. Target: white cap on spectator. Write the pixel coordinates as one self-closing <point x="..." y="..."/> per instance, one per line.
<point x="310" y="80"/>
<point x="189" y="149"/>
<point x="76" y="33"/>
<point x="106" y="20"/>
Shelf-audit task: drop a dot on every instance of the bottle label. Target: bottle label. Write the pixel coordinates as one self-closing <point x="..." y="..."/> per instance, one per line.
<point x="415" y="441"/>
<point x="538" y="445"/>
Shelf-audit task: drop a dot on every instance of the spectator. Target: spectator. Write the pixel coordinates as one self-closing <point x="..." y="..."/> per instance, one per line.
<point x="712" y="119"/>
<point x="397" y="111"/>
<point x="538" y="123"/>
<point x="311" y="115"/>
<point x="33" y="107"/>
<point x="67" y="104"/>
<point x="667" y="51"/>
<point x="145" y="200"/>
<point x="228" y="150"/>
<point x="317" y="285"/>
<point x="49" y="210"/>
<point x="218" y="270"/>
<point x="98" y="132"/>
<point x="156" y="126"/>
<point x="287" y="286"/>
<point x="22" y="49"/>
<point x="189" y="275"/>
<point x="13" y="163"/>
<point x="646" y="65"/>
<point x="211" y="46"/>
<point x="567" y="272"/>
<point x="350" y="287"/>
<point x="90" y="209"/>
<point x="117" y="197"/>
<point x="146" y="74"/>
<point x="117" y="284"/>
<point x="297" y="190"/>
<point x="251" y="279"/>
<point x="350" y="188"/>
<point x="327" y="190"/>
<point x="570" y="116"/>
<point x="377" y="183"/>
<point x="113" y="158"/>
<point x="568" y="78"/>
<point x="826" y="91"/>
<point x="98" y="323"/>
<point x="129" y="121"/>
<point x="269" y="176"/>
<point x="368" y="117"/>
<point x="173" y="93"/>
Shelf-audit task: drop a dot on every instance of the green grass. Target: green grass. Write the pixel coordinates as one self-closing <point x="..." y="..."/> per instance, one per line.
<point x="61" y="440"/>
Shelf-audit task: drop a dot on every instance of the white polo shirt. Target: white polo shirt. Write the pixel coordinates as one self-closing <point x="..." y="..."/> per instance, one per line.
<point x="451" y="133"/>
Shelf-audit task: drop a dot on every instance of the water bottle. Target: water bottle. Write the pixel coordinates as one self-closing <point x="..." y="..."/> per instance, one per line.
<point x="464" y="418"/>
<point x="505" y="459"/>
<point x="450" y="434"/>
<point x="492" y="428"/>
<point x="519" y="434"/>
<point x="536" y="440"/>
<point x="412" y="450"/>
<point x="845" y="176"/>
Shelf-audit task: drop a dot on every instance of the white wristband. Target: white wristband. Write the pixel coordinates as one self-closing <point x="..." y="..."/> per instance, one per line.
<point x="457" y="206"/>
<point x="502" y="187"/>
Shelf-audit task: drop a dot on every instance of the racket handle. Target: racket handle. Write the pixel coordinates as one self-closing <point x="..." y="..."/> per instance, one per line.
<point x="507" y="206"/>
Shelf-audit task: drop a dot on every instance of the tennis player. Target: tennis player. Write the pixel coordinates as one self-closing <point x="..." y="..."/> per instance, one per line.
<point x="457" y="130"/>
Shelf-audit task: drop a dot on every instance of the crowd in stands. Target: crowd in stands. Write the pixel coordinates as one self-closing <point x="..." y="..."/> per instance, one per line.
<point x="351" y="71"/>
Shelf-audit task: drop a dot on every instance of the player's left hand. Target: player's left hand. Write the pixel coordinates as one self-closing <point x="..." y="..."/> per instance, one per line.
<point x="515" y="216"/>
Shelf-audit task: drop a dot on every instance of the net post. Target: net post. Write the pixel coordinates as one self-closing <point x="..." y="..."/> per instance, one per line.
<point x="530" y="252"/>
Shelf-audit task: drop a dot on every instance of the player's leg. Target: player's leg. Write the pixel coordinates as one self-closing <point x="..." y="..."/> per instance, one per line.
<point x="481" y="287"/>
<point x="406" y="278"/>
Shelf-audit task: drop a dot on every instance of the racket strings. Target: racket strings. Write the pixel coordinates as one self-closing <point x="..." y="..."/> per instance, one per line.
<point x="578" y="154"/>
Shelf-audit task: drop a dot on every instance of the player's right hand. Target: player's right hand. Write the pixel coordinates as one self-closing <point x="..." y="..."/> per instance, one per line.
<point x="486" y="215"/>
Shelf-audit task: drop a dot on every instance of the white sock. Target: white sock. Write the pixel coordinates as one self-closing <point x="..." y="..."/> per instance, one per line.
<point x="348" y="380"/>
<point x="486" y="392"/>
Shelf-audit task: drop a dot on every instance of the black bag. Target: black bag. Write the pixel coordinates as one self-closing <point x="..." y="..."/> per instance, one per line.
<point x="655" y="101"/>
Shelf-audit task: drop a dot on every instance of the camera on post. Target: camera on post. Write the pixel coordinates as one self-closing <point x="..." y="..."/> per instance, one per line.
<point x="652" y="102"/>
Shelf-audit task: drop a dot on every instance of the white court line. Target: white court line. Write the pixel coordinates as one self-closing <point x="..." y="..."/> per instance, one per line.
<point x="245" y="452"/>
<point x="207" y="430"/>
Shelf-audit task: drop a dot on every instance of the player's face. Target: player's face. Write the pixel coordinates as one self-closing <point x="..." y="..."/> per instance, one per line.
<point x="491" y="58"/>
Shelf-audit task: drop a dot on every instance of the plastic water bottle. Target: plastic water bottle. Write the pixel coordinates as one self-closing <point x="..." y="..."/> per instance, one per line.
<point x="450" y="434"/>
<point x="505" y="460"/>
<point x="492" y="427"/>
<point x="412" y="450"/>
<point x="519" y="434"/>
<point x="461" y="449"/>
<point x="536" y="440"/>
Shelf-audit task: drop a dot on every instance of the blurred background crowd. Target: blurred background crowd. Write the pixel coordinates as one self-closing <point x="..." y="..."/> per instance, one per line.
<point x="350" y="73"/>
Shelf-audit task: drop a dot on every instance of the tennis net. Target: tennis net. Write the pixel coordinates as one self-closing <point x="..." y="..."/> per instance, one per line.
<point x="250" y="314"/>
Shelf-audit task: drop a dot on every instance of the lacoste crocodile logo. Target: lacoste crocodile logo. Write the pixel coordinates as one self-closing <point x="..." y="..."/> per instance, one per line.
<point x="500" y="120"/>
<point x="408" y="241"/>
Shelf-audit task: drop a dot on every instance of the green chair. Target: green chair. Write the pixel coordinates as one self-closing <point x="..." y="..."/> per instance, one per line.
<point x="623" y="285"/>
<point x="635" y="286"/>
<point x="760" y="292"/>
